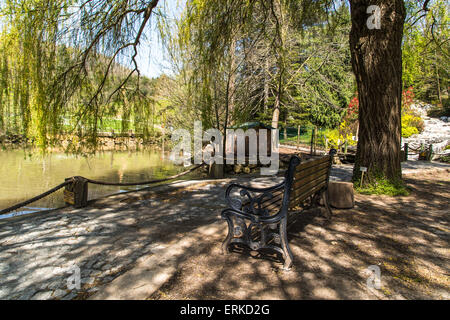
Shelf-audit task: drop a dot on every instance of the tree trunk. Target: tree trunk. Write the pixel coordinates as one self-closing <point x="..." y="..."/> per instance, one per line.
<point x="231" y="90"/>
<point x="437" y="78"/>
<point x="266" y="84"/>
<point x="276" y="113"/>
<point x="276" y="109"/>
<point x="377" y="64"/>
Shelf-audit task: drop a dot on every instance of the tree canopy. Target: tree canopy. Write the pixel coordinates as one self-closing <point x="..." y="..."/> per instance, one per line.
<point x="66" y="66"/>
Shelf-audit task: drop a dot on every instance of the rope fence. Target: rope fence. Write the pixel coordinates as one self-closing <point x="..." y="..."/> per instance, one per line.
<point x="77" y="188"/>
<point x="42" y="195"/>
<point x="425" y="152"/>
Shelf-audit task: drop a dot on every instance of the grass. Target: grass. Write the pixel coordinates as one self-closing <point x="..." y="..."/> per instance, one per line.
<point x="305" y="137"/>
<point x="383" y="187"/>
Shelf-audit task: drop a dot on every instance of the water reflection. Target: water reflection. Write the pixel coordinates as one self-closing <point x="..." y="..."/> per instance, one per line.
<point x="26" y="174"/>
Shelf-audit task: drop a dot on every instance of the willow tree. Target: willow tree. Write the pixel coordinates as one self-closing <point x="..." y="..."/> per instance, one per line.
<point x="30" y="60"/>
<point x="70" y="58"/>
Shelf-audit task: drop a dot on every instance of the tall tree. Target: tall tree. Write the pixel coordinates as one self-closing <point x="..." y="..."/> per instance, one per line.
<point x="377" y="64"/>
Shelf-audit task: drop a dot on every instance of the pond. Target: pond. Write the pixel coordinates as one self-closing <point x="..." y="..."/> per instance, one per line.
<point x="26" y="173"/>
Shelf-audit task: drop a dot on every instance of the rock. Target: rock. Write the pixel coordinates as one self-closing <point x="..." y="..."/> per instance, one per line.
<point x="27" y="294"/>
<point x="59" y="293"/>
<point x="70" y="296"/>
<point x="341" y="195"/>
<point x="42" y="295"/>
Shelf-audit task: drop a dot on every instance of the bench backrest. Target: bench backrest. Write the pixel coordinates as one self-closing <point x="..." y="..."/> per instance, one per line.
<point x="310" y="177"/>
<point x="306" y="179"/>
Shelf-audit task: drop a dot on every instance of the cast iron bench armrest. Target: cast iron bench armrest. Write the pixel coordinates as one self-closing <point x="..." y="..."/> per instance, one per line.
<point x="240" y="214"/>
<point x="237" y="204"/>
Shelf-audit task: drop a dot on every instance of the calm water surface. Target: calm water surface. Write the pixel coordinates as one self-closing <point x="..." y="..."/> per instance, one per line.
<point x="25" y="174"/>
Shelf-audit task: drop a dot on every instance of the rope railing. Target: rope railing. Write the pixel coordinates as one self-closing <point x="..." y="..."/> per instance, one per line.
<point x="42" y="195"/>
<point x="425" y="151"/>
<point x="103" y="183"/>
<point x="73" y="180"/>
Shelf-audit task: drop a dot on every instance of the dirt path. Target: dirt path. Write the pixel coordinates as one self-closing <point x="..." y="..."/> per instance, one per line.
<point x="406" y="237"/>
<point x="177" y="229"/>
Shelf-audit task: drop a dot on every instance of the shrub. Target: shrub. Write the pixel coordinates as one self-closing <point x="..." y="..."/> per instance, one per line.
<point x="445" y="159"/>
<point x="415" y="121"/>
<point x="334" y="139"/>
<point x="409" y="131"/>
<point x="411" y="124"/>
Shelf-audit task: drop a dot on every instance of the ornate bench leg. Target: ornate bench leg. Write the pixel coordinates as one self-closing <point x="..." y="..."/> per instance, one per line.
<point x="288" y="257"/>
<point x="227" y="240"/>
<point x="326" y="202"/>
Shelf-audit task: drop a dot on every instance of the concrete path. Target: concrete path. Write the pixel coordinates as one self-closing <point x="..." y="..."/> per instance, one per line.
<point x="344" y="172"/>
<point x="41" y="253"/>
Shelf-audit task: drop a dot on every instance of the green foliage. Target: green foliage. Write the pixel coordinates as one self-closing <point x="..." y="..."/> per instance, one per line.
<point x="61" y="70"/>
<point x="426" y="52"/>
<point x="383" y="187"/>
<point x="336" y="138"/>
<point x="247" y="61"/>
<point x="408" y="131"/>
<point x="411" y="122"/>
<point x="411" y="125"/>
<point x="69" y="67"/>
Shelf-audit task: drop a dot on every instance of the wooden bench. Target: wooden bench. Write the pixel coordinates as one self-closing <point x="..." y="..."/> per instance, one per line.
<point x="259" y="217"/>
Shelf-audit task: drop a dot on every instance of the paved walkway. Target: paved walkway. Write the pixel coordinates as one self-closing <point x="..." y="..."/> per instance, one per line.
<point x="344" y="172"/>
<point x="39" y="251"/>
<point x="40" y="254"/>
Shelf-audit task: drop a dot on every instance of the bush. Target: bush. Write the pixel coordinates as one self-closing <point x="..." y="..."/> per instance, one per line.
<point x="416" y="122"/>
<point x="445" y="159"/>
<point x="334" y="138"/>
<point x="411" y="124"/>
<point x="409" y="131"/>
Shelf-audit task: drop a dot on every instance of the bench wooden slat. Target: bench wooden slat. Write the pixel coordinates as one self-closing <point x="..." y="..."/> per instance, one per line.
<point x="276" y="198"/>
<point x="273" y="205"/>
<point x="310" y="183"/>
<point x="298" y="199"/>
<point x="309" y="178"/>
<point x="312" y="163"/>
<point x="300" y="194"/>
<point x="272" y="202"/>
<point x="312" y="176"/>
<point x="303" y="173"/>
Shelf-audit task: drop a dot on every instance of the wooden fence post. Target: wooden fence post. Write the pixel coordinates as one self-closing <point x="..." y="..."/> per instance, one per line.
<point x="313" y="134"/>
<point x="76" y="193"/>
<point x="430" y="152"/>
<point x="406" y="151"/>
